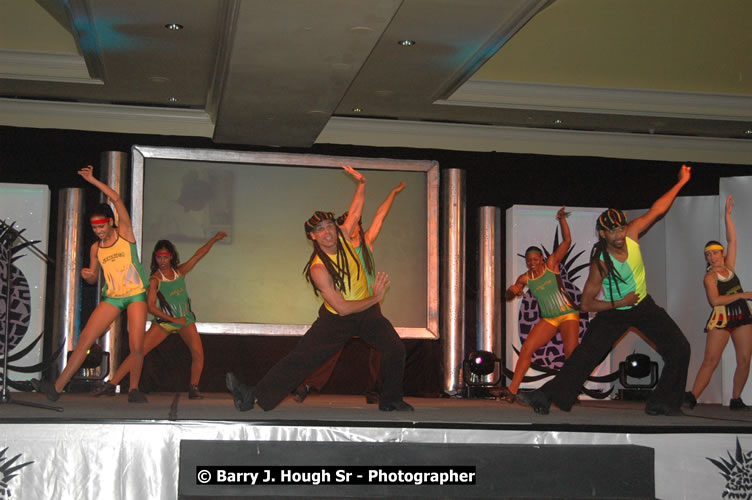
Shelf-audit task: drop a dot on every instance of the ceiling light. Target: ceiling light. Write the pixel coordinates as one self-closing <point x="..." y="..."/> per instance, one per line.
<point x="406" y="43"/>
<point x="748" y="131"/>
<point x="173" y="26"/>
<point x="558" y="122"/>
<point x="357" y="110"/>
<point x="173" y="100"/>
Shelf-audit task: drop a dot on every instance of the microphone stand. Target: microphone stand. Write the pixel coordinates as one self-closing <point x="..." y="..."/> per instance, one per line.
<point x="8" y="236"/>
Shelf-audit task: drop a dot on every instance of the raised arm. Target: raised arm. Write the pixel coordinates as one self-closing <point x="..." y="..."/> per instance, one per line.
<point x="125" y="229"/>
<point x="378" y="220"/>
<point x="730" y="235"/>
<point x="187" y="266"/>
<point x="356" y="205"/>
<point x="592" y="288"/>
<point x="660" y="207"/>
<point x="91" y="273"/>
<point x="555" y="258"/>
<point x="323" y="281"/>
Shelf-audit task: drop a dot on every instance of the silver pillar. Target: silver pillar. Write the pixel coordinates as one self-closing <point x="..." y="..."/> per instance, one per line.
<point x="489" y="283"/>
<point x="69" y="256"/>
<point x="453" y="277"/>
<point x="113" y="172"/>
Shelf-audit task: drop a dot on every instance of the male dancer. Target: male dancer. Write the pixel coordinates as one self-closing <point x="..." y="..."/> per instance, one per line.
<point x="348" y="311"/>
<point x="616" y="266"/>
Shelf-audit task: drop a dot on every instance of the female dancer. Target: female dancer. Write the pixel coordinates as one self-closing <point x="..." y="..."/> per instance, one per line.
<point x="168" y="301"/>
<point x="556" y="307"/>
<point x="125" y="288"/>
<point x="730" y="317"/>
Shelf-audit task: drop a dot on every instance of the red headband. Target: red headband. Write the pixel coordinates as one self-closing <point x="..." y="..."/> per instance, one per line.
<point x="99" y="221"/>
<point x="163" y="252"/>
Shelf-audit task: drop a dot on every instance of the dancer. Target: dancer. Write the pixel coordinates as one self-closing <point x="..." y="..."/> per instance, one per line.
<point x="557" y="310"/>
<point x="362" y="241"/>
<point x="125" y="288"/>
<point x="616" y="266"/>
<point x="348" y="311"/>
<point x="168" y="301"/>
<point x="730" y="317"/>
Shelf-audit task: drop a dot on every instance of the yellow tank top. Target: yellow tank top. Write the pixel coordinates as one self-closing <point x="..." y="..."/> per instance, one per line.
<point x="358" y="288"/>
<point x="123" y="272"/>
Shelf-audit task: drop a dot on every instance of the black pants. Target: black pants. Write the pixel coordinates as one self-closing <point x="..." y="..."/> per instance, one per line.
<point x="605" y="329"/>
<point x="328" y="334"/>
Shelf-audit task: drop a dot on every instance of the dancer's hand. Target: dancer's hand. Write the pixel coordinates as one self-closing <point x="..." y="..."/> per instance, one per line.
<point x="729" y="204"/>
<point x="562" y="213"/>
<point x="180" y="321"/>
<point x="685" y="172"/>
<point x="88" y="274"/>
<point x="219" y="236"/>
<point x="399" y="188"/>
<point x="87" y="173"/>
<point x="356" y="175"/>
<point x="629" y="299"/>
<point x="380" y="284"/>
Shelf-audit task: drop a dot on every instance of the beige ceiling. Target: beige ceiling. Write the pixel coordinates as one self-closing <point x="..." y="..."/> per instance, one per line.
<point x="295" y="72"/>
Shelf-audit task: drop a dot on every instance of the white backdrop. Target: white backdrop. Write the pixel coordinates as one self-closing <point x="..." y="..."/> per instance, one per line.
<point x="29" y="206"/>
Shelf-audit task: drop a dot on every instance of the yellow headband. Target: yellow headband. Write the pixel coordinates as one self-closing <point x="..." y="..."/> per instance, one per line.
<point x="713" y="246"/>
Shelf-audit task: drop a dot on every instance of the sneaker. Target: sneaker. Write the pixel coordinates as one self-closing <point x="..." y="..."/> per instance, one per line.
<point x="106" y="389"/>
<point x="193" y="392"/>
<point x="690" y="401"/>
<point x="396" y="406"/>
<point x="537" y="399"/>
<point x="243" y="395"/>
<point x="136" y="396"/>
<point x="372" y="397"/>
<point x="654" y="409"/>
<point x="46" y="387"/>
<point x="735" y="404"/>
<point x="301" y="393"/>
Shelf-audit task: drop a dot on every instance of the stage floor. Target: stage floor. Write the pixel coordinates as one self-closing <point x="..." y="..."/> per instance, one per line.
<point x="350" y="410"/>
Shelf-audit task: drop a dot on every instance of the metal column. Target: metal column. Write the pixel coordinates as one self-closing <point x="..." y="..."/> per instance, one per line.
<point x="489" y="283"/>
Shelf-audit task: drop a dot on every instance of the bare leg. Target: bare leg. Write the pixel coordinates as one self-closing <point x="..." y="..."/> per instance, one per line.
<point x="570" y="336"/>
<point x="542" y="332"/>
<point x="99" y="321"/>
<point x="742" y="338"/>
<point x="715" y="342"/>
<point x="136" y="325"/>
<point x="192" y="339"/>
<point x="152" y="338"/>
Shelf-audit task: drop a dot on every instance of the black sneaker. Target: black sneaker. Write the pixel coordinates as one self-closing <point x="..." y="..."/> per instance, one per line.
<point x="136" y="396"/>
<point x="243" y="395"/>
<point x="690" y="401"/>
<point x="106" y="389"/>
<point x="735" y="404"/>
<point x="46" y="387"/>
<point x="396" y="406"/>
<point x="654" y="409"/>
<point x="537" y="399"/>
<point x="193" y="392"/>
<point x="372" y="397"/>
<point x="301" y="393"/>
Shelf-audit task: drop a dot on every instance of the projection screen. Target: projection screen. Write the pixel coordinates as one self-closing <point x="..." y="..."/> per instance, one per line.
<point x="252" y="282"/>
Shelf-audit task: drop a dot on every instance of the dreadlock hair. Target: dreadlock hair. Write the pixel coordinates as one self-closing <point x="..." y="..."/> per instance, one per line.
<point x="609" y="219"/>
<point x="103" y="210"/>
<point x="164" y="245"/>
<point x="339" y="270"/>
<point x="367" y="258"/>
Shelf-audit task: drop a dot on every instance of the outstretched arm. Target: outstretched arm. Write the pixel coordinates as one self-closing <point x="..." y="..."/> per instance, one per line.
<point x="323" y="281"/>
<point x="730" y="235"/>
<point x="381" y="213"/>
<point x="566" y="241"/>
<point x="186" y="267"/>
<point x="660" y="207"/>
<point x="356" y="205"/>
<point x="125" y="229"/>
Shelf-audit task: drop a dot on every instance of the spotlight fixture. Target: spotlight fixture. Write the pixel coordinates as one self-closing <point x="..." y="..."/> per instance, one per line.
<point x="173" y="26"/>
<point x="638" y="366"/>
<point x="173" y="100"/>
<point x="480" y="364"/>
<point x="406" y="43"/>
<point x="357" y="110"/>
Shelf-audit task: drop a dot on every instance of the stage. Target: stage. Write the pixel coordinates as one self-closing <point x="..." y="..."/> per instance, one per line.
<point x="108" y="448"/>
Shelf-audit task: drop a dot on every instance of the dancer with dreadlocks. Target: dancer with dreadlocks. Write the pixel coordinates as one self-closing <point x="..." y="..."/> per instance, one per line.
<point x="730" y="317"/>
<point x="362" y="241"/>
<point x="167" y="299"/>
<point x="348" y="310"/>
<point x="558" y="312"/>
<point x="616" y="267"/>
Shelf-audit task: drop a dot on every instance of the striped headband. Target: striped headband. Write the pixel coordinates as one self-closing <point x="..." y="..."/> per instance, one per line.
<point x="317" y="217"/>
<point x="611" y="219"/>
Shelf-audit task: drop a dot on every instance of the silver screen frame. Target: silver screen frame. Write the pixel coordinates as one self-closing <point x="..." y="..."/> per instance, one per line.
<point x="139" y="155"/>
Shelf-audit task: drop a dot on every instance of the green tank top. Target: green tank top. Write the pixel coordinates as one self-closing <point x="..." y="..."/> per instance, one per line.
<point x="369" y="276"/>
<point x="552" y="301"/>
<point x="172" y="299"/>
<point x="632" y="272"/>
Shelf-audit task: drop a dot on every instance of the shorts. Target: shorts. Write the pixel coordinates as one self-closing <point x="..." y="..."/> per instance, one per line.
<point x="558" y="320"/>
<point x="123" y="302"/>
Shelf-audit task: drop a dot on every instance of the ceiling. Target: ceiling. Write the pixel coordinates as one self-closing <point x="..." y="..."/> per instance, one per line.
<point x="292" y="73"/>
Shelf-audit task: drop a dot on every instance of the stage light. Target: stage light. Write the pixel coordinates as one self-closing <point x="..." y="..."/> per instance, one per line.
<point x="93" y="357"/>
<point x="638" y="366"/>
<point x="480" y="364"/>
